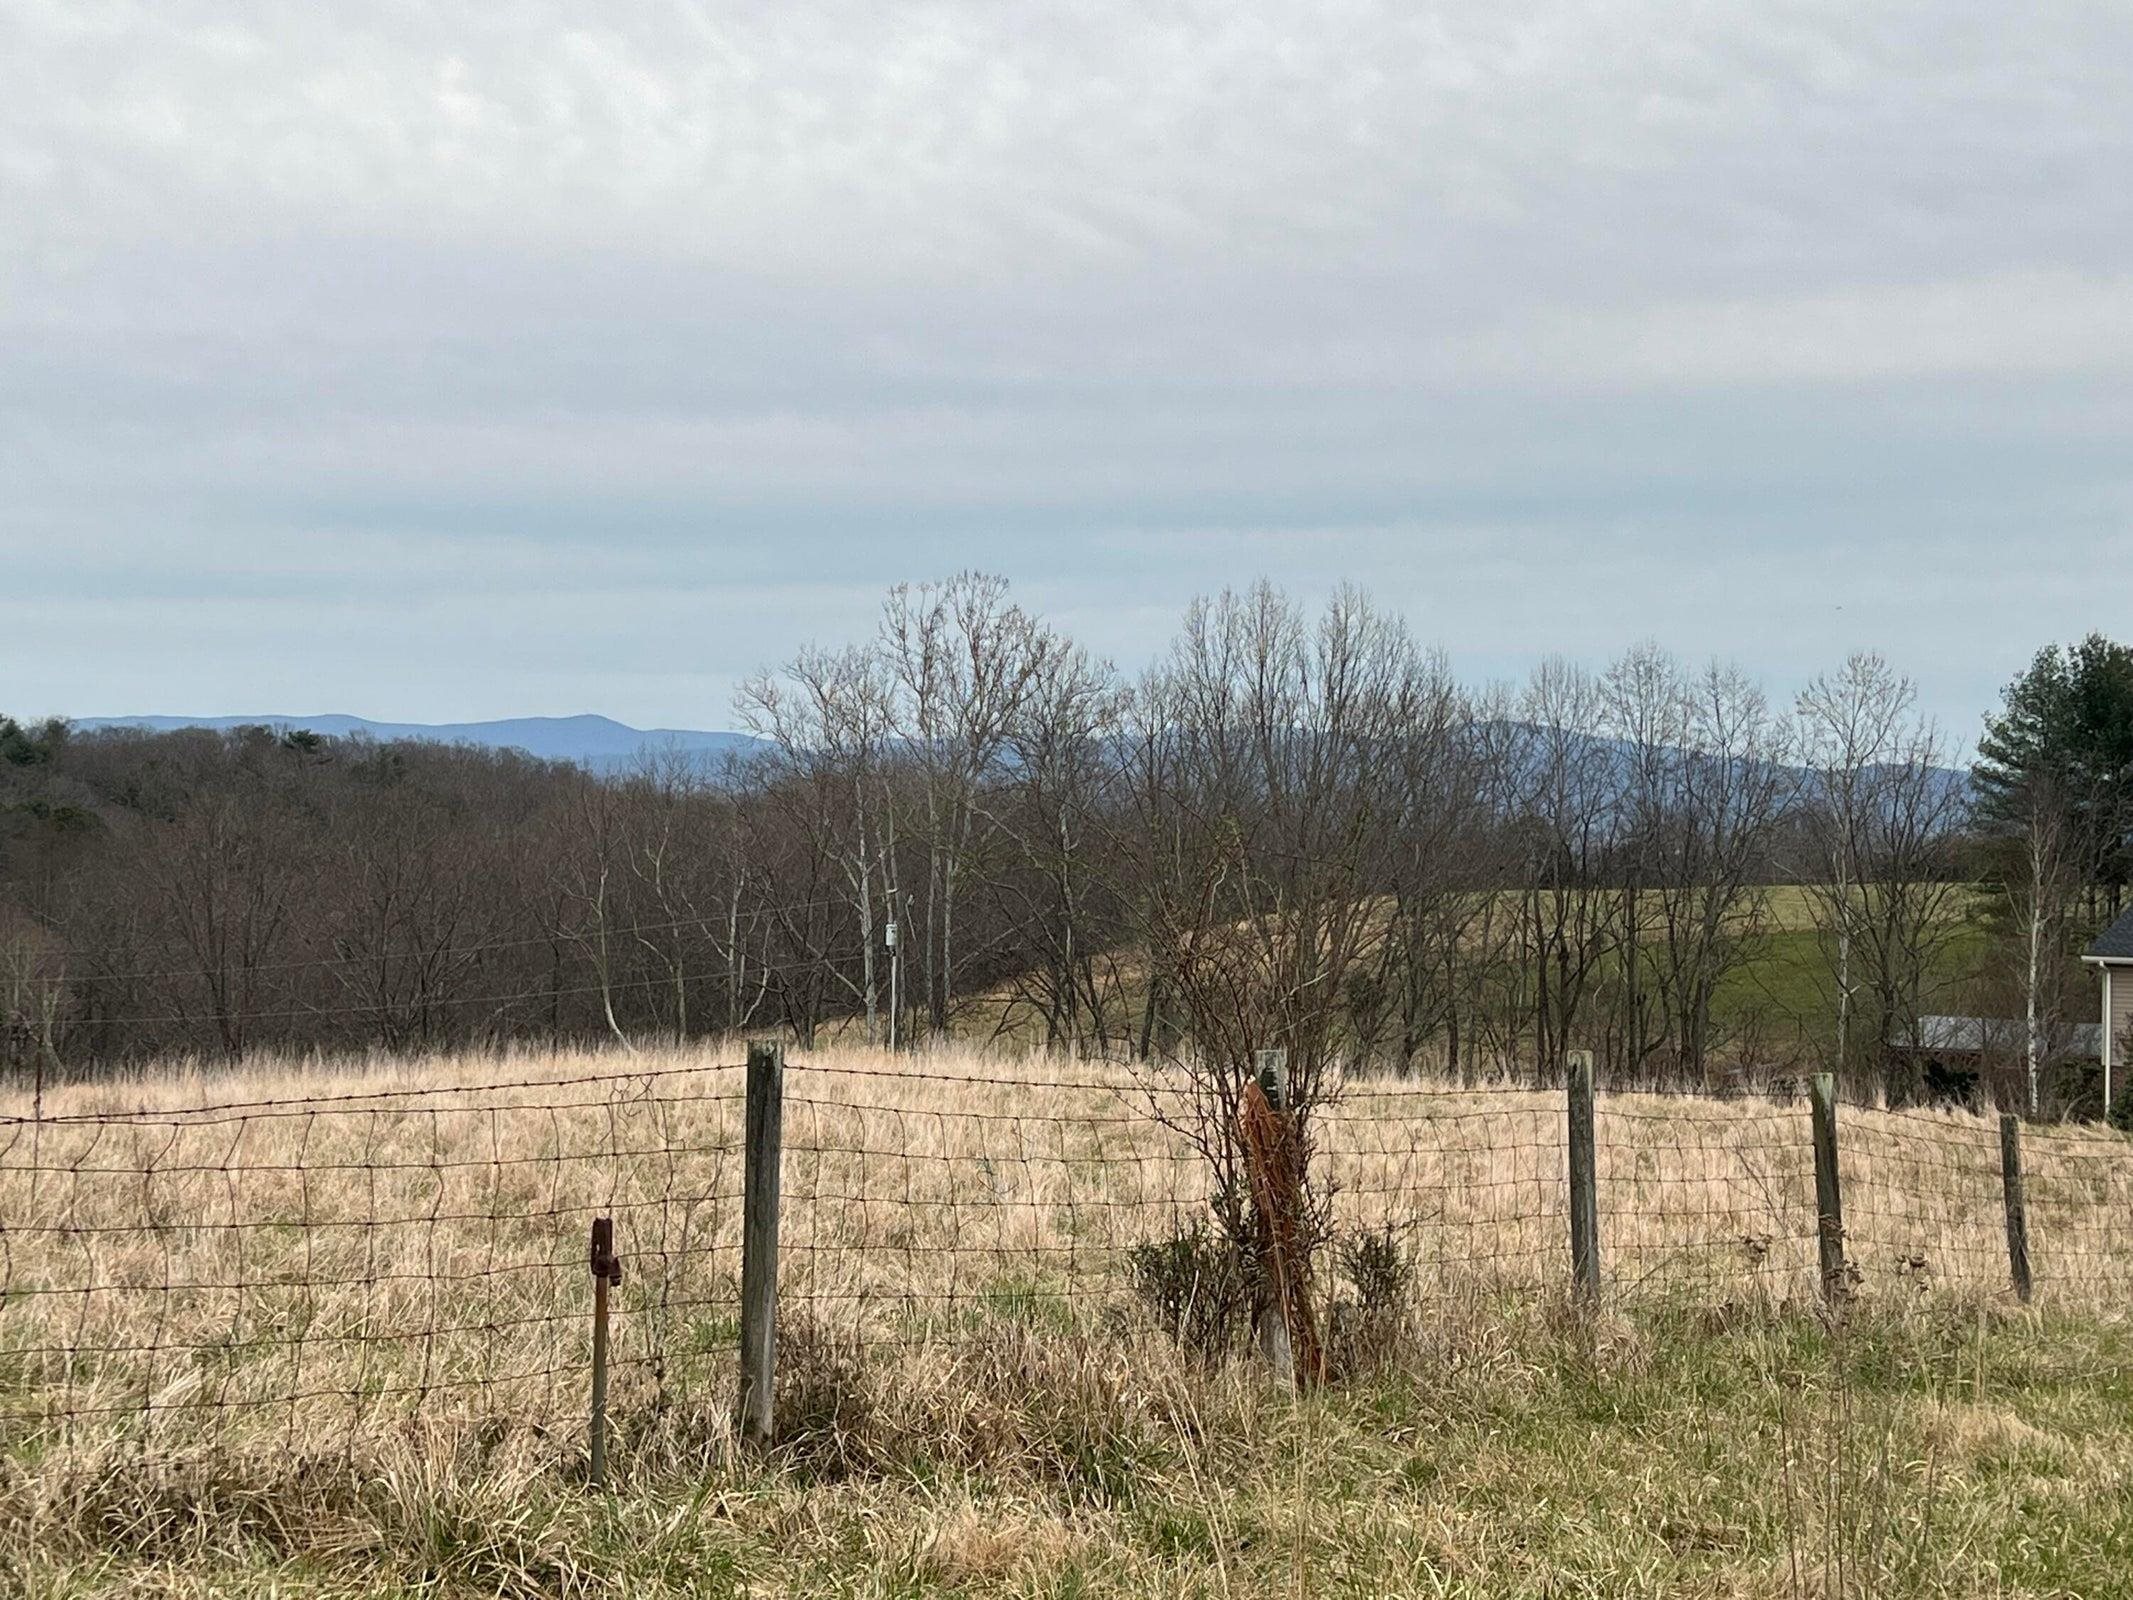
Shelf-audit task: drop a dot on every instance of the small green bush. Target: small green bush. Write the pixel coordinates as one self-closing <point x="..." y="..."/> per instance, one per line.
<point x="1195" y="1288"/>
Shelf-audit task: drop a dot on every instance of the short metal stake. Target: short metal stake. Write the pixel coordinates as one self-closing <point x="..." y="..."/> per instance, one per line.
<point x="606" y="1271"/>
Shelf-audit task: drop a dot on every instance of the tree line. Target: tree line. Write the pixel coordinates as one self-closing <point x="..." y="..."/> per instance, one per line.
<point x="1294" y="827"/>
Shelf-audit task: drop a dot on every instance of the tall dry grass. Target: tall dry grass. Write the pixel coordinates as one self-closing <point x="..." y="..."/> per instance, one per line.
<point x="337" y="1274"/>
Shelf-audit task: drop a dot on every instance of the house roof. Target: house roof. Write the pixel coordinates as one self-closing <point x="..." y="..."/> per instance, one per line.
<point x="2115" y="943"/>
<point x="1972" y="1036"/>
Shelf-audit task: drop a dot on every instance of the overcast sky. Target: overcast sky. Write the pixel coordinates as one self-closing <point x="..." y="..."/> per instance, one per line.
<point x="434" y="362"/>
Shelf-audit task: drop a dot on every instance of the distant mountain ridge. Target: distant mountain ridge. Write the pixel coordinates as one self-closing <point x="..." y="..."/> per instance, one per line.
<point x="604" y="745"/>
<point x="599" y="743"/>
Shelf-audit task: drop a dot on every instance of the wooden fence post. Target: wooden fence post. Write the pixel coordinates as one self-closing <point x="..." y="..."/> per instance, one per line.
<point x="2017" y="1204"/>
<point x="1584" y="1181"/>
<point x="1829" y="1194"/>
<point x="606" y="1270"/>
<point x="759" y="1237"/>
<point x="1270" y="1068"/>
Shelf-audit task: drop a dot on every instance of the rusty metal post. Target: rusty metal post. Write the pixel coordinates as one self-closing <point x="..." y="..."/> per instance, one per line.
<point x="606" y="1271"/>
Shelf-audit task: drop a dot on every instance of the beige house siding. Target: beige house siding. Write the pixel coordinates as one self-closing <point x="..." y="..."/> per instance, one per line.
<point x="2119" y="1022"/>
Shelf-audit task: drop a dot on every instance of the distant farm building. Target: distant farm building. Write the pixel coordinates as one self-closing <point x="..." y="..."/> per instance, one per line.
<point x="1953" y="1058"/>
<point x="2111" y="954"/>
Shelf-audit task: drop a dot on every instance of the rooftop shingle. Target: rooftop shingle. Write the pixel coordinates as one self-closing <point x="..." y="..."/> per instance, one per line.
<point x="2115" y="943"/>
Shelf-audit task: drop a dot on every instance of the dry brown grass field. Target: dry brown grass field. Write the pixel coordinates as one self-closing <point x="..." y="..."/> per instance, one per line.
<point x="343" y="1317"/>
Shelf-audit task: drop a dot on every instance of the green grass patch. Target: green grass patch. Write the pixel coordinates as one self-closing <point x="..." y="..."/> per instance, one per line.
<point x="1941" y="1452"/>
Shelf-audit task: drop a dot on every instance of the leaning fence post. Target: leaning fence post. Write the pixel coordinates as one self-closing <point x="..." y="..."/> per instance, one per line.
<point x="606" y="1270"/>
<point x="2017" y="1203"/>
<point x="1271" y="1069"/>
<point x="1584" y="1182"/>
<point x="759" y="1237"/>
<point x="1829" y="1194"/>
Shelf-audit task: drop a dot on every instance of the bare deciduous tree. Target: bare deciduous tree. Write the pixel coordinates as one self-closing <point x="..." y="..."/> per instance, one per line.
<point x="1881" y="819"/>
<point x="1267" y="778"/>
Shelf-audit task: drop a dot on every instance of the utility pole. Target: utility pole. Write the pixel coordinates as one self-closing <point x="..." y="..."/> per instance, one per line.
<point x="888" y="938"/>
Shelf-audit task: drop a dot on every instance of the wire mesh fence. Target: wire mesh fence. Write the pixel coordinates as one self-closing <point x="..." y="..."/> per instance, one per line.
<point x="2080" y="1183"/>
<point x="326" y="1269"/>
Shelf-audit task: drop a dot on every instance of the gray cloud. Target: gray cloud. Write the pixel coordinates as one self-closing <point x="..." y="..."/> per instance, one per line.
<point x="538" y="360"/>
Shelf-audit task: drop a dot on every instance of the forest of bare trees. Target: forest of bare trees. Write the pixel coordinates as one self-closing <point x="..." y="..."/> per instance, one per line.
<point x="1295" y="827"/>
